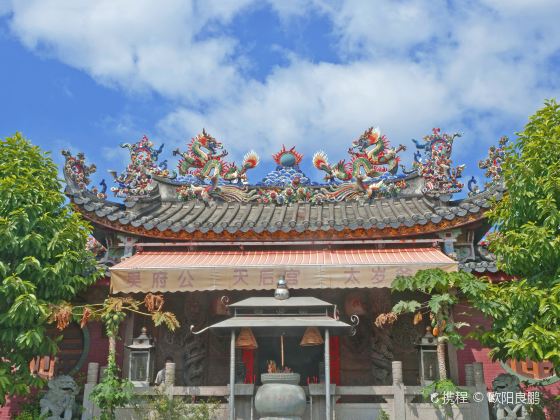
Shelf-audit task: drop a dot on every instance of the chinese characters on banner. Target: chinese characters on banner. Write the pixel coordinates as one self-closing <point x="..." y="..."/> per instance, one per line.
<point x="246" y="278"/>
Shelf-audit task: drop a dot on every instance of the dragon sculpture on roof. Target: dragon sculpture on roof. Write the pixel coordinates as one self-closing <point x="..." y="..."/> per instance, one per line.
<point x="362" y="190"/>
<point x="372" y="162"/>
<point x="136" y="180"/>
<point x="371" y="157"/>
<point x="209" y="193"/>
<point x="492" y="165"/>
<point x="204" y="159"/>
<point x="79" y="173"/>
<point x="494" y="161"/>
<point x="439" y="177"/>
<point x="371" y="172"/>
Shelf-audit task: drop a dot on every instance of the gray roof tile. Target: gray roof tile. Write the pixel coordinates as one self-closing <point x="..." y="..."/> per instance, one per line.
<point x="196" y="215"/>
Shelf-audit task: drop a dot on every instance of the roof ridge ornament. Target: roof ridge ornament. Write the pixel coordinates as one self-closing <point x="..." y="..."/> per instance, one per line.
<point x="78" y="173"/>
<point x="371" y="158"/>
<point x="203" y="163"/>
<point x="372" y="163"/>
<point x="493" y="163"/>
<point x="473" y="187"/>
<point x="287" y="158"/>
<point x="203" y="160"/>
<point x="136" y="181"/>
<point x="440" y="179"/>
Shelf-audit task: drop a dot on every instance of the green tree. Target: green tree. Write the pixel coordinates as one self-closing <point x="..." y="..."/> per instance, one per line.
<point x="440" y="290"/>
<point x="113" y="391"/>
<point x="526" y="312"/>
<point x="161" y="406"/>
<point x="43" y="259"/>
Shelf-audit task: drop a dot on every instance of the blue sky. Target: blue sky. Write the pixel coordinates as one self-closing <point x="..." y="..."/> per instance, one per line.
<point x="89" y="75"/>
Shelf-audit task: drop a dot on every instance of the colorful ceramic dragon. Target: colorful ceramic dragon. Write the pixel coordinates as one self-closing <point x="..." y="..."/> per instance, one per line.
<point x="371" y="157"/>
<point x="75" y="167"/>
<point x="439" y="177"/>
<point x="79" y="173"/>
<point x="493" y="163"/>
<point x="340" y="170"/>
<point x="362" y="191"/>
<point x="213" y="191"/>
<point x="136" y="180"/>
<point x="203" y="160"/>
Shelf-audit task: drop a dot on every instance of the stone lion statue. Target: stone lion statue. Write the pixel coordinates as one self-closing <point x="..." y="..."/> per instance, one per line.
<point x="59" y="399"/>
<point x="502" y="385"/>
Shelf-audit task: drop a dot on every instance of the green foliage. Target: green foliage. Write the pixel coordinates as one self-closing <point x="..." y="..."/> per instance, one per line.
<point x="30" y="410"/>
<point x="43" y="258"/>
<point x="112" y="392"/>
<point x="382" y="415"/>
<point x="438" y="282"/>
<point x="405" y="306"/>
<point x="528" y="244"/>
<point x="526" y="313"/>
<point x="436" y="392"/>
<point x="29" y="415"/>
<point x="441" y="289"/>
<point x="163" y="407"/>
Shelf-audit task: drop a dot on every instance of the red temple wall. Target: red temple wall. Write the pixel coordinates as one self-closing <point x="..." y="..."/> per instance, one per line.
<point x="474" y="352"/>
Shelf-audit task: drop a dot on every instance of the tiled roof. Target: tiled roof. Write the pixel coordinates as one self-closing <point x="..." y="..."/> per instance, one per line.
<point x="362" y="198"/>
<point x="484" y="261"/>
<point x="195" y="215"/>
<point x="479" y="266"/>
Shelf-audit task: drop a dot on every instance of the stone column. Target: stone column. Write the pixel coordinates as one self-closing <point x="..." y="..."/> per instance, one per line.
<point x="169" y="379"/>
<point x="478" y="373"/>
<point x="398" y="392"/>
<point x="480" y="388"/>
<point x="92" y="372"/>
<point x="169" y="374"/>
<point x="89" y="412"/>
<point x="469" y="375"/>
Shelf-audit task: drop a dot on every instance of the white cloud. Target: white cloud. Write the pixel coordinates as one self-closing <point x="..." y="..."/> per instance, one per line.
<point x="405" y="66"/>
<point x="378" y="28"/>
<point x="137" y="44"/>
<point x="321" y="106"/>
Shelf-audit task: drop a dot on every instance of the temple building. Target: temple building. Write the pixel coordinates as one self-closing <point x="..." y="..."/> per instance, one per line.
<point x="205" y="237"/>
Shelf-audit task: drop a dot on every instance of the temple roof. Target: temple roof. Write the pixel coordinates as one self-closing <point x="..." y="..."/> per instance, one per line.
<point x="483" y="261"/>
<point x="479" y="266"/>
<point x="363" y="198"/>
<point x="159" y="216"/>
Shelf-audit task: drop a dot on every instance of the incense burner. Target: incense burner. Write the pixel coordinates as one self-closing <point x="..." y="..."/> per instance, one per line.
<point x="280" y="397"/>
